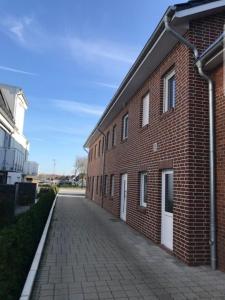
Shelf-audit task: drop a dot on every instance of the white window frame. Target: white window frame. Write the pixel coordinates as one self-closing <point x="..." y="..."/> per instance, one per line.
<point x="142" y="181"/>
<point x="114" y="135"/>
<point x="125" y="134"/>
<point x="145" y="110"/>
<point x="107" y="140"/>
<point x="165" y="90"/>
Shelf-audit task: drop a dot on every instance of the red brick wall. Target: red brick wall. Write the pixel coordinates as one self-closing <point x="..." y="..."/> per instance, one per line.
<point x="220" y="164"/>
<point x="182" y="139"/>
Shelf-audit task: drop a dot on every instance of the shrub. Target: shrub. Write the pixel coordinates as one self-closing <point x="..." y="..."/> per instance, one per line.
<point x="26" y="193"/>
<point x="18" y="244"/>
<point x="7" y="204"/>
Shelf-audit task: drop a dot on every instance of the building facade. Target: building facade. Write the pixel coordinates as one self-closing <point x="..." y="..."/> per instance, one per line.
<point x="213" y="60"/>
<point x="149" y="153"/>
<point x="14" y="147"/>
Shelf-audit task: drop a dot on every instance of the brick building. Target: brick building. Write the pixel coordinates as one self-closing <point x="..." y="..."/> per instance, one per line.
<point x="149" y="161"/>
<point x="213" y="61"/>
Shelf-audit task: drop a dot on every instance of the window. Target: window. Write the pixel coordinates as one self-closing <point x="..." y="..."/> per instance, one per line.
<point x="143" y="188"/>
<point x="2" y="137"/>
<point x="99" y="148"/>
<point x="169" y="191"/>
<point x="114" y="136"/>
<point x="107" y="140"/>
<point x="95" y="151"/>
<point x="106" y="185"/>
<point x="145" y="110"/>
<point x="169" y="100"/>
<point x="103" y="145"/>
<point x="125" y="127"/>
<point x="112" y="185"/>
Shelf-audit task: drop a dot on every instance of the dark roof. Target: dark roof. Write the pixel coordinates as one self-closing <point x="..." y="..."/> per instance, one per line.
<point x="191" y="4"/>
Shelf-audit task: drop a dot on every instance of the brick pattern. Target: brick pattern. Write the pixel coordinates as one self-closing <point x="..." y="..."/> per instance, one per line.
<point x="220" y="163"/>
<point x="182" y="140"/>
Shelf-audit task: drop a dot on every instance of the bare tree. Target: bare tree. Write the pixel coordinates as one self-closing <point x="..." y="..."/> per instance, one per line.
<point x="80" y="167"/>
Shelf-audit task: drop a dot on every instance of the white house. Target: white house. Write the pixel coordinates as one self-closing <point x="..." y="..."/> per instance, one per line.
<point x="14" y="146"/>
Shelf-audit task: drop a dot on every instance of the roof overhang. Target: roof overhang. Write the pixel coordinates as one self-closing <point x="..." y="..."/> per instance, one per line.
<point x="214" y="55"/>
<point x="5" y="122"/>
<point x="156" y="49"/>
<point x="199" y="10"/>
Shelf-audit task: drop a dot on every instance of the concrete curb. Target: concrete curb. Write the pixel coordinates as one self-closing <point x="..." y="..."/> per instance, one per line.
<point x="28" y="286"/>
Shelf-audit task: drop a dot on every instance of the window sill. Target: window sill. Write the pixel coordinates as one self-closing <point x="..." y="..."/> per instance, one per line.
<point x="142" y="209"/>
<point x="124" y="140"/>
<point x="144" y="128"/>
<point x="167" y="113"/>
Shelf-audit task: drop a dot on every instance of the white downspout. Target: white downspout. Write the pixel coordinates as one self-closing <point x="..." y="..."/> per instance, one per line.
<point x="211" y="141"/>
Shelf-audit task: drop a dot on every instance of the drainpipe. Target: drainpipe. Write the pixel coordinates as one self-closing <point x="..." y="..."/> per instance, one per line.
<point x="211" y="140"/>
<point x="103" y="167"/>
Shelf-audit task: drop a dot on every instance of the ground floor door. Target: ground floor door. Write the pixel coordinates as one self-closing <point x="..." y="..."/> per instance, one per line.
<point x="123" y="197"/>
<point x="167" y="209"/>
<point x="93" y="189"/>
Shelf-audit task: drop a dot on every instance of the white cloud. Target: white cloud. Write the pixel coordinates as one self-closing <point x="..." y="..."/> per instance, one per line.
<point x="105" y="50"/>
<point x="15" y="27"/>
<point x="101" y="54"/>
<point x="25" y="31"/>
<point x="4" y="68"/>
<point x="78" y="107"/>
<point x="108" y="85"/>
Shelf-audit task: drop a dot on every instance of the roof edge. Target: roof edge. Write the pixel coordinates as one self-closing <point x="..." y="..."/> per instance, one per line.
<point x="151" y="41"/>
<point x="171" y="10"/>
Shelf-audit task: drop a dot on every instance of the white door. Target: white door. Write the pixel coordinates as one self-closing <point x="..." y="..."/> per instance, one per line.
<point x="93" y="189"/>
<point x="123" y="198"/>
<point x="167" y="209"/>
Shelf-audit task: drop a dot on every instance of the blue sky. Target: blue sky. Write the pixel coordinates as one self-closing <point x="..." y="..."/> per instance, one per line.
<point x="69" y="57"/>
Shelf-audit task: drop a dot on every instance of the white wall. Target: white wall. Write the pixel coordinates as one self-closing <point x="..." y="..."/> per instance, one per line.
<point x="13" y="177"/>
<point x="30" y="168"/>
<point x="19" y="115"/>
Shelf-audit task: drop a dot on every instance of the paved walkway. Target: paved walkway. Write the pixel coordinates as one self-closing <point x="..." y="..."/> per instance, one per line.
<point x="90" y="255"/>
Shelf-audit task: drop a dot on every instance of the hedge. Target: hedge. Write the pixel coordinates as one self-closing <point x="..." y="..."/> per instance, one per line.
<point x="18" y="244"/>
<point x="7" y="204"/>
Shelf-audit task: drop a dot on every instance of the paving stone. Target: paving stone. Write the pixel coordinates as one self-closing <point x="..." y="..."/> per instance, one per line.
<point x="76" y="297"/>
<point x="105" y="295"/>
<point x="87" y="256"/>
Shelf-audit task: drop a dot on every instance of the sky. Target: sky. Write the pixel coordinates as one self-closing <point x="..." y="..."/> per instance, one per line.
<point x="69" y="57"/>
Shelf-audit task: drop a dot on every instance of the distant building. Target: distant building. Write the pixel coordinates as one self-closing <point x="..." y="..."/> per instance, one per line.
<point x="14" y="146"/>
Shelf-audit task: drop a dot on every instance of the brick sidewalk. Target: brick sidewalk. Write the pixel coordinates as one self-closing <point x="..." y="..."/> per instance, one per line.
<point x="90" y="255"/>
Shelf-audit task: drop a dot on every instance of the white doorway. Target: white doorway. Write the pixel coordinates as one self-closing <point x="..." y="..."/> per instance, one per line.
<point x="93" y="189"/>
<point x="123" y="198"/>
<point x="167" y="209"/>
